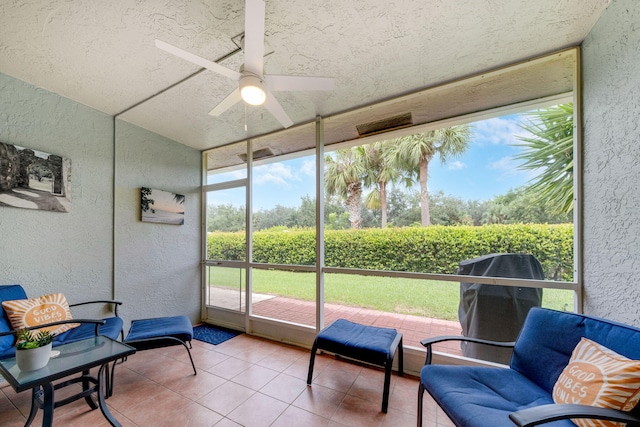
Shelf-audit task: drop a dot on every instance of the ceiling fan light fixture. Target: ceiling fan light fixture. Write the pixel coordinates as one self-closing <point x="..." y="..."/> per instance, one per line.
<point x="252" y="90"/>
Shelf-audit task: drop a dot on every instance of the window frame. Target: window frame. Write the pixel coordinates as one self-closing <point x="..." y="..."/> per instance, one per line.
<point x="304" y="335"/>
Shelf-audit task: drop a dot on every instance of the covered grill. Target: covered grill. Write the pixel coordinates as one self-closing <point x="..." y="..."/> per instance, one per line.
<point x="496" y="312"/>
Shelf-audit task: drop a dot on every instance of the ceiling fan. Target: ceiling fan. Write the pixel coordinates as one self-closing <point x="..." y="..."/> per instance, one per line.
<point x="254" y="87"/>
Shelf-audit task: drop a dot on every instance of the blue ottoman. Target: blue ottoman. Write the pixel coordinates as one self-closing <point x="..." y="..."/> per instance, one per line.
<point x="369" y="344"/>
<point x="157" y="332"/>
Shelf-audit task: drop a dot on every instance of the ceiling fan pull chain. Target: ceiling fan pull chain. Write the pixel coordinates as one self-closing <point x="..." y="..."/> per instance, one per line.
<point x="245" y="118"/>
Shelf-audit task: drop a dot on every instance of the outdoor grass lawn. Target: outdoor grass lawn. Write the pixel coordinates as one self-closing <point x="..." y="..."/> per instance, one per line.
<point x="428" y="298"/>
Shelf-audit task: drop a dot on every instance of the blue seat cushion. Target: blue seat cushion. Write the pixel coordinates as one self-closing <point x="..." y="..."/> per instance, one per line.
<point x="8" y="352"/>
<point x="111" y="329"/>
<point x="8" y="293"/>
<point x="548" y="338"/>
<point x="175" y="326"/>
<point x="366" y="343"/>
<point x="481" y="396"/>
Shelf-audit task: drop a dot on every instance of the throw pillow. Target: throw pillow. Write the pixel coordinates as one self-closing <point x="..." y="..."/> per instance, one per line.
<point x="39" y="311"/>
<point x="598" y="376"/>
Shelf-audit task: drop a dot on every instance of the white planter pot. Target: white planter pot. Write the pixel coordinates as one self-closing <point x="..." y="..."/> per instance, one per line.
<point x="33" y="358"/>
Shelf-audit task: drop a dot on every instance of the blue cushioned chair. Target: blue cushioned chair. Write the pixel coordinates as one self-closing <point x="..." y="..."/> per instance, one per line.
<point x="368" y="344"/>
<point x="146" y="334"/>
<point x="521" y="393"/>
<point x="110" y="326"/>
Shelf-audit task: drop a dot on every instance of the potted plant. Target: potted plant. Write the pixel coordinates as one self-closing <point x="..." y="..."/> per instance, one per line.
<point x="33" y="349"/>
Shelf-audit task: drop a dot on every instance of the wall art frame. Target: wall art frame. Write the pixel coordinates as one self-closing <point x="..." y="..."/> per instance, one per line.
<point x="161" y="207"/>
<point x="33" y="179"/>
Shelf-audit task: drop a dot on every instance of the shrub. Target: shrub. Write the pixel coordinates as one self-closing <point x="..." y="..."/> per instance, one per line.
<point x="434" y="249"/>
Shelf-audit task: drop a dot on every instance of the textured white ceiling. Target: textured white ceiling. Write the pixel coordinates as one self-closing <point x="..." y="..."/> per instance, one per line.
<point x="102" y="54"/>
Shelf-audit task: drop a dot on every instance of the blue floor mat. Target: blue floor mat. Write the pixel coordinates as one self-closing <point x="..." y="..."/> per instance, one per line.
<point x="213" y="334"/>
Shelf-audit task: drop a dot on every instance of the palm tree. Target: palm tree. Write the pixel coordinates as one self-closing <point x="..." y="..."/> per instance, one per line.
<point x="550" y="150"/>
<point x="146" y="199"/>
<point x="413" y="153"/>
<point x="343" y="176"/>
<point x="179" y="198"/>
<point x="379" y="171"/>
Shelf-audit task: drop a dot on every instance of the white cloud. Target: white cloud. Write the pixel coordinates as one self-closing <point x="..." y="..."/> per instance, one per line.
<point x="274" y="173"/>
<point x="508" y="167"/>
<point x="308" y="168"/>
<point x="499" y="130"/>
<point x="457" y="165"/>
<point x="504" y="164"/>
<point x="227" y="176"/>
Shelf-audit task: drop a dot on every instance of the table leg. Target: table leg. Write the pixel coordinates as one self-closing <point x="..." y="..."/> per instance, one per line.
<point x="48" y="405"/>
<point x="36" y="399"/>
<point x="86" y="386"/>
<point x="101" y="401"/>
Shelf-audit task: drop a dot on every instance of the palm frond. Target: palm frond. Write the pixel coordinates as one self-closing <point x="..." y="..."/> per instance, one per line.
<point x="549" y="150"/>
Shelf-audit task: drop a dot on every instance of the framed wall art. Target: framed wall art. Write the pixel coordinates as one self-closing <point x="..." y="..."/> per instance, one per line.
<point x="34" y="179"/>
<point x="161" y="206"/>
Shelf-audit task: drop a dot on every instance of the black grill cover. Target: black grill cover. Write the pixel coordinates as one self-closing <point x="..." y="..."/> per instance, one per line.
<point x="496" y="312"/>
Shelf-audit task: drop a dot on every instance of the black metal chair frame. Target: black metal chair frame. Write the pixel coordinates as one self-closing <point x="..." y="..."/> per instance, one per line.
<point x="159" y="342"/>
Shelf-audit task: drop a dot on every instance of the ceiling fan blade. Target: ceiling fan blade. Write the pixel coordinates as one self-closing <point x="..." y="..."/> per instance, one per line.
<point x="299" y="83"/>
<point x="276" y="109"/>
<point x="254" y="36"/>
<point x="197" y="60"/>
<point x="225" y="104"/>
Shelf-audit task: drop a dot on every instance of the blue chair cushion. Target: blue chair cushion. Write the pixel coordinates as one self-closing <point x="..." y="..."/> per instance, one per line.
<point x="485" y="396"/>
<point x="111" y="329"/>
<point x="175" y="326"/>
<point x="548" y="338"/>
<point x="8" y="293"/>
<point x="481" y="396"/>
<point x="366" y="343"/>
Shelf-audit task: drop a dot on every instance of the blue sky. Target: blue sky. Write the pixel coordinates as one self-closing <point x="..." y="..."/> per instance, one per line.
<point x="488" y="168"/>
<point x="485" y="170"/>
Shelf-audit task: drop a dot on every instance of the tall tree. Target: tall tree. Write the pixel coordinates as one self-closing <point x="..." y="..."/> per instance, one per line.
<point x="404" y="208"/>
<point x="449" y="210"/>
<point x="343" y="175"/>
<point x="379" y="172"/>
<point x="413" y="153"/>
<point x="519" y="207"/>
<point x="225" y="218"/>
<point x="335" y="215"/>
<point x="550" y="150"/>
<point x="307" y="212"/>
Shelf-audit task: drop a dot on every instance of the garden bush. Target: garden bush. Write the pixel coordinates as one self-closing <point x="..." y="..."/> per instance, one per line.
<point x="434" y="249"/>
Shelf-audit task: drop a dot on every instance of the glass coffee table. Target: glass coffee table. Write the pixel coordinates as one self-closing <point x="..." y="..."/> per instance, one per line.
<point x="74" y="358"/>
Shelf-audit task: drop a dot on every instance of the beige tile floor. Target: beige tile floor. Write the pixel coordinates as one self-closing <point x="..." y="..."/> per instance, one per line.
<point x="246" y="381"/>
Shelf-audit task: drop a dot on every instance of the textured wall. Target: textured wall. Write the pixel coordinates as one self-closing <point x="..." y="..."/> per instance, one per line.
<point x="50" y="251"/>
<point x="157" y="265"/>
<point x="611" y="60"/>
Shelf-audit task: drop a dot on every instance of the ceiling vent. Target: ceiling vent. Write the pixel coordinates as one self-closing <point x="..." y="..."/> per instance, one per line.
<point x="258" y="154"/>
<point x="395" y="122"/>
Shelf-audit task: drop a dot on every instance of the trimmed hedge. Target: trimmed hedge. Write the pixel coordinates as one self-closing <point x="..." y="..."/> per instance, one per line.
<point x="434" y="249"/>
